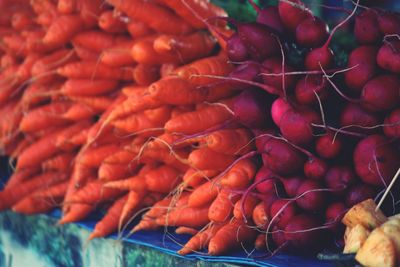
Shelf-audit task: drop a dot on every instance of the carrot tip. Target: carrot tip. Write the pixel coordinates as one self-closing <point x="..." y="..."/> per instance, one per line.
<point x="93" y="235"/>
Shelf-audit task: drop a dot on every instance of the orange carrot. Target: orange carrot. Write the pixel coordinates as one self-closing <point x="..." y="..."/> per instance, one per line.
<point x="77" y="212"/>
<point x="162" y="179"/>
<point x="97" y="41"/>
<point x="260" y="243"/>
<point x="161" y="20"/>
<point x="206" y="159"/>
<point x="221" y="208"/>
<point x="33" y="205"/>
<point x="94" y="193"/>
<point x="79" y="112"/>
<point x="231" y="141"/>
<point x="200" y="240"/>
<point x="20" y="176"/>
<point x="89" y="11"/>
<point x="185" y="216"/>
<point x="110" y="172"/>
<point x="22" y="19"/>
<point x="194" y="178"/>
<point x="98" y="103"/>
<point x="45" y="116"/>
<point x="65" y="140"/>
<point x="86" y="54"/>
<point x="93" y="157"/>
<point x="36" y="94"/>
<point x="54" y="191"/>
<point x="143" y="52"/>
<point x="249" y="205"/>
<point x="205" y="118"/>
<point x="145" y="74"/>
<point x="66" y="6"/>
<point x="240" y="175"/>
<point x="150" y="118"/>
<point x="85" y="87"/>
<point x="120" y="157"/>
<point x="93" y="70"/>
<point x="19" y="148"/>
<point x="230" y="237"/>
<point x="118" y="55"/>
<point x="260" y="216"/>
<point x="216" y="65"/>
<point x="167" y="69"/>
<point x="110" y="22"/>
<point x="186" y="47"/>
<point x="13" y="194"/>
<point x="131" y="204"/>
<point x="61" y="162"/>
<point x="203" y="194"/>
<point x="138" y="29"/>
<point x="183" y="230"/>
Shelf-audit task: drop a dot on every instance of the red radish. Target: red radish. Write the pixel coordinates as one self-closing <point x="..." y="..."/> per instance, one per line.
<point x="312" y="32"/>
<point x="264" y="173"/>
<point x="359" y="193"/>
<point x="278" y="236"/>
<point x="315" y="168"/>
<point x="389" y="56"/>
<point x="366" y="27"/>
<point x="292" y="14"/>
<point x="334" y="214"/>
<point x="381" y="93"/>
<point x="282" y="158"/>
<point x="362" y="67"/>
<point x="279" y="107"/>
<point x="328" y="147"/>
<point x="236" y="49"/>
<point x="292" y="184"/>
<point x="354" y="115"/>
<point x="308" y="86"/>
<point x="389" y="23"/>
<point x="376" y="160"/>
<point x="282" y="211"/>
<point x="274" y="66"/>
<point x="310" y="196"/>
<point x="392" y="124"/>
<point x="303" y="233"/>
<point x="340" y="178"/>
<point x="269" y="16"/>
<point x="250" y="109"/>
<point x="296" y="126"/>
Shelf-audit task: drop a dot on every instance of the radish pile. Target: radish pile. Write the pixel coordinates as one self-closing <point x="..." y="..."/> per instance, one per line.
<point x="171" y="117"/>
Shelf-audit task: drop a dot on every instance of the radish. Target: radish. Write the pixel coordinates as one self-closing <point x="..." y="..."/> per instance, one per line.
<point x="269" y="16"/>
<point x="274" y="66"/>
<point x="392" y="124"/>
<point x="339" y="179"/>
<point x="376" y="160"/>
<point x="328" y="147"/>
<point x="381" y="93"/>
<point x="359" y="193"/>
<point x="236" y="49"/>
<point x="296" y="125"/>
<point x="389" y="23"/>
<point x="334" y="214"/>
<point x="279" y="107"/>
<point x="293" y="13"/>
<point x="291" y="184"/>
<point x="315" y="168"/>
<point x="354" y="115"/>
<point x="281" y="157"/>
<point x="282" y="211"/>
<point x="278" y="236"/>
<point x="366" y="27"/>
<point x="308" y="86"/>
<point x="264" y="173"/>
<point x="250" y="109"/>
<point x="312" y="32"/>
<point x="310" y="197"/>
<point x="362" y="67"/>
<point x="389" y="56"/>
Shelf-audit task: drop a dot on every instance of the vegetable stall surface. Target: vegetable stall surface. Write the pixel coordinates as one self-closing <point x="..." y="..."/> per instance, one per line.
<point x="174" y="118"/>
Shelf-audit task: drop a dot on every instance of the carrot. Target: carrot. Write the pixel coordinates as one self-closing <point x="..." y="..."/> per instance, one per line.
<point x="86" y="87"/>
<point x="216" y="65"/>
<point x="33" y="205"/>
<point x="248" y="207"/>
<point x="109" y="22"/>
<point x="131" y="204"/>
<point x="177" y="159"/>
<point x="97" y="103"/>
<point x="205" y="118"/>
<point x="89" y="11"/>
<point x="44" y="19"/>
<point x="203" y="195"/>
<point x="162" y="179"/>
<point x="20" y="176"/>
<point x="138" y="29"/>
<point x="156" y="17"/>
<point x="240" y="175"/>
<point x="13" y="194"/>
<point x="120" y="157"/>
<point x="24" y="143"/>
<point x="93" y="70"/>
<point x="44" y="116"/>
<point x="94" y="193"/>
<point x="118" y="55"/>
<point x="93" y="157"/>
<point x="167" y="69"/>
<point x="66" y="6"/>
<point x="96" y="40"/>
<point x="260" y="217"/>
<point x="186" y="47"/>
<point x="182" y="230"/>
<point x="194" y="178"/>
<point x="195" y="12"/>
<point x="15" y="44"/>
<point x="143" y="52"/>
<point x="221" y="208"/>
<point x="54" y="191"/>
<point x="109" y="222"/>
<point x="144" y="74"/>
<point x="77" y="212"/>
<point x="61" y="162"/>
<point x="110" y="172"/>
<point x="150" y="118"/>
<point x="36" y="94"/>
<point x="200" y="240"/>
<point x="65" y="140"/>
<point x="231" y="141"/>
<point x="79" y="112"/>
<point x="206" y="159"/>
<point x="230" y="237"/>
<point x="86" y="54"/>
<point x="21" y="20"/>
<point x="134" y="90"/>
<point x="260" y="243"/>
<point x="185" y="216"/>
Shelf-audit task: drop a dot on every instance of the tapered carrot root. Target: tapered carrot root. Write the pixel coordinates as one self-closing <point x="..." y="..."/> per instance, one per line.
<point x="86" y="87"/>
<point x="231" y="141"/>
<point x="145" y="74"/>
<point x="199" y="159"/>
<point x="200" y="240"/>
<point x="118" y="55"/>
<point x="260" y="217"/>
<point x="61" y="163"/>
<point x="240" y="175"/>
<point x="189" y="217"/>
<point x="94" y="193"/>
<point x="76" y="212"/>
<point x="203" y="194"/>
<point x="21" y="175"/>
<point x="33" y="205"/>
<point x="221" y="209"/>
<point x="182" y="230"/>
<point x="110" y="172"/>
<point x="245" y="210"/>
<point x="79" y="112"/>
<point x="93" y="157"/>
<point x="93" y="70"/>
<point x="194" y="178"/>
<point x="111" y="23"/>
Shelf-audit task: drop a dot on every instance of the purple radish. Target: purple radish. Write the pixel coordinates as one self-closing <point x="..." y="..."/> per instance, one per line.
<point x="283" y="211"/>
<point x="353" y="114"/>
<point x="359" y="193"/>
<point x="315" y="168"/>
<point x="274" y="66"/>
<point x="264" y="173"/>
<point x="269" y="16"/>
<point x="366" y="27"/>
<point x="389" y="56"/>
<point x="236" y="49"/>
<point x="279" y="107"/>
<point x="292" y="14"/>
<point x="340" y="178"/>
<point x="389" y="23"/>
<point x="312" y="32"/>
<point x="250" y="109"/>
<point x="291" y="184"/>
<point x="392" y="124"/>
<point x="309" y="196"/>
<point x="308" y="86"/>
<point x="328" y="147"/>
<point x="381" y="93"/>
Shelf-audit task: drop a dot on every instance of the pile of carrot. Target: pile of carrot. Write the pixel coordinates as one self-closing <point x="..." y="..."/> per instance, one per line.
<point x="107" y="106"/>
